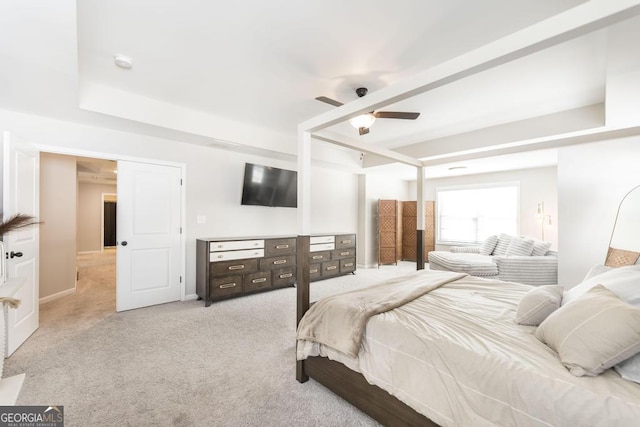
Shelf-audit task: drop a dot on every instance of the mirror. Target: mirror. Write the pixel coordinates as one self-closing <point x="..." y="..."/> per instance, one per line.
<point x="624" y="246"/>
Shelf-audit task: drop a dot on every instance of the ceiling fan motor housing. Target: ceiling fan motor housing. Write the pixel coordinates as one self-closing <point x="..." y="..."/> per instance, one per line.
<point x="361" y="91"/>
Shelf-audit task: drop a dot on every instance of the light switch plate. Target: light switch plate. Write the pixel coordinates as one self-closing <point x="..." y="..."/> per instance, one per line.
<point x="201" y="219"/>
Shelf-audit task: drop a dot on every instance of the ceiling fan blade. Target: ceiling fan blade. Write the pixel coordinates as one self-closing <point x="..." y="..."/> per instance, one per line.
<point x="329" y="101"/>
<point x="363" y="131"/>
<point x="396" y="115"/>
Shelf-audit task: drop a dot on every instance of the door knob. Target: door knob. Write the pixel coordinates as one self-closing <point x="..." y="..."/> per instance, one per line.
<point x="124" y="243"/>
<point x="15" y="254"/>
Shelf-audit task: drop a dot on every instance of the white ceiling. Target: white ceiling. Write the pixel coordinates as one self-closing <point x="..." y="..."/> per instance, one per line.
<point x="263" y="63"/>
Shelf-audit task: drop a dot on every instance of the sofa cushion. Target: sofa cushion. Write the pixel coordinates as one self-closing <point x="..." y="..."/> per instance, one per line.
<point x="540" y="248"/>
<point x="488" y="245"/>
<point x="502" y="245"/>
<point x="473" y="264"/>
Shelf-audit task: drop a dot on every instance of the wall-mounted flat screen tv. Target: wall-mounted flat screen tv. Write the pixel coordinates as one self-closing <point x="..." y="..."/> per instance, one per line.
<point x="269" y="186"/>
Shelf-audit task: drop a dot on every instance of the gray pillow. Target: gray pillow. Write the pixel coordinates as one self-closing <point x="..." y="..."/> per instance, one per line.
<point x="502" y="245"/>
<point x="487" y="246"/>
<point x="592" y="333"/>
<point x="537" y="304"/>
<point x="519" y="247"/>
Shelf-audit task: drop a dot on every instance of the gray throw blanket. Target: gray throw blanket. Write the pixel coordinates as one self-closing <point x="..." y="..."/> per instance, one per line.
<point x="339" y="321"/>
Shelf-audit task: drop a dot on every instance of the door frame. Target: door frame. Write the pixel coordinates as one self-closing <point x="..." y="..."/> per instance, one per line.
<point x="115" y="157"/>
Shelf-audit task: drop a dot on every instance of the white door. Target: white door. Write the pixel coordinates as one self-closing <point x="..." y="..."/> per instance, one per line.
<point x="148" y="234"/>
<point x="20" y="195"/>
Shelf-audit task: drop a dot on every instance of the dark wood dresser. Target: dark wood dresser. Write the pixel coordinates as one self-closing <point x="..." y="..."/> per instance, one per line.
<point x="227" y="268"/>
<point x="331" y="255"/>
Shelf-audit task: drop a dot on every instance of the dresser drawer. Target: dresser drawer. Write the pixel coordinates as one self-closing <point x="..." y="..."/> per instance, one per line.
<point x="320" y="256"/>
<point x="347" y="265"/>
<point x="229" y="255"/>
<point x="275" y="247"/>
<point x="315" y="271"/>
<point x="284" y="276"/>
<point x="234" y="245"/>
<point x="330" y="268"/>
<point x="277" y="262"/>
<point x="223" y="286"/>
<point x="343" y="253"/>
<point x="322" y="247"/>
<point x="314" y="240"/>
<point x="346" y="241"/>
<point x="241" y="266"/>
<point x="259" y="280"/>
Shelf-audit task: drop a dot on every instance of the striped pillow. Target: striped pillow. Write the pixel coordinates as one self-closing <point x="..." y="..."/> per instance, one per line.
<point x="520" y="247"/>
<point x="540" y="248"/>
<point x="488" y="245"/>
<point x="502" y="245"/>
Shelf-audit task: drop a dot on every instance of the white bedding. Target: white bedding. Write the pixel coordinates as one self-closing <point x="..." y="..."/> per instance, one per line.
<point x="457" y="356"/>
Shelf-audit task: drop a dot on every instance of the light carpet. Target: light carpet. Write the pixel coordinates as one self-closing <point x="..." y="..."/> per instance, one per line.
<point x="179" y="364"/>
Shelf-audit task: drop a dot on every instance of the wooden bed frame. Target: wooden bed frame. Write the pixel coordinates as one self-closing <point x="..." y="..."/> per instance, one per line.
<point x="350" y="385"/>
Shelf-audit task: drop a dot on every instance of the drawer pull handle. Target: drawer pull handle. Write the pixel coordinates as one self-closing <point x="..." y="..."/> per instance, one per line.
<point x="280" y="261"/>
<point x="220" y="256"/>
<point x="344" y="253"/>
<point x="259" y="280"/>
<point x="236" y="267"/>
<point x="228" y="285"/>
<point x="284" y="276"/>
<point x="317" y="257"/>
<point x="346" y="241"/>
<point x="350" y="264"/>
<point x="282" y="246"/>
<point x="332" y="267"/>
<point x="315" y="270"/>
<point x="220" y="246"/>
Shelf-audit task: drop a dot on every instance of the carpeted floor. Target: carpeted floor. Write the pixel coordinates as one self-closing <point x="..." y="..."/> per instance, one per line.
<point x="178" y="364"/>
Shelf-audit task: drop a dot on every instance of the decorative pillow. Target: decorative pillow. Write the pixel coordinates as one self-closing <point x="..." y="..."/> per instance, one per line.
<point x="488" y="245"/>
<point x="538" y="303"/>
<point x="520" y="247"/>
<point x="595" y="270"/>
<point x="623" y="281"/>
<point x="593" y="333"/>
<point x="540" y="248"/>
<point x="630" y="369"/>
<point x="502" y="245"/>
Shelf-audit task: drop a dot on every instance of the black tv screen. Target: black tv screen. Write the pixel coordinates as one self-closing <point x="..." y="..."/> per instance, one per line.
<point x="269" y="186"/>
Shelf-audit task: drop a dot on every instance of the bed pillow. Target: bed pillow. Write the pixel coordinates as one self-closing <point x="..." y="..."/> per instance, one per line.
<point x="488" y="245"/>
<point x="593" y="333"/>
<point x="630" y="369"/>
<point x="540" y="248"/>
<point x="502" y="245"/>
<point x="596" y="270"/>
<point x="538" y="303"/>
<point x="623" y="281"/>
<point x="519" y="247"/>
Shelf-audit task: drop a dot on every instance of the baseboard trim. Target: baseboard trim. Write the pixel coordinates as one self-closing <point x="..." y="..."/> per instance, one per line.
<point x="58" y="295"/>
<point x="190" y="297"/>
<point x="89" y="252"/>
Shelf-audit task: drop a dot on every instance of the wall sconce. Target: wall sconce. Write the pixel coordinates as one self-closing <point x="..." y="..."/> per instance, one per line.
<point x="543" y="219"/>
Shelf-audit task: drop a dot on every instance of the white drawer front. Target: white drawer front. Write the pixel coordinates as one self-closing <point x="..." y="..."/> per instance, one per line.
<point x="233" y="245"/>
<point x="322" y="247"/>
<point x="229" y="255"/>
<point x="322" y="239"/>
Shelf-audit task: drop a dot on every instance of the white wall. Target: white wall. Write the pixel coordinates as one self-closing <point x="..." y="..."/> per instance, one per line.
<point x="58" y="228"/>
<point x="536" y="185"/>
<point x="90" y="217"/>
<point x="592" y="180"/>
<point x="213" y="183"/>
<point x="371" y="188"/>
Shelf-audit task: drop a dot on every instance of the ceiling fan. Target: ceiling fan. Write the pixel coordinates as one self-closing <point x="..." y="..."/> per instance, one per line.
<point x="364" y="121"/>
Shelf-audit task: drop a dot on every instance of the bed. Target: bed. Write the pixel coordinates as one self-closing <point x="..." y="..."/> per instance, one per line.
<point x="452" y="356"/>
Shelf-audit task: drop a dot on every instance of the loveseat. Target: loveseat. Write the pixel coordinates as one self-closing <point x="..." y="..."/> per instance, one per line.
<point x="504" y="257"/>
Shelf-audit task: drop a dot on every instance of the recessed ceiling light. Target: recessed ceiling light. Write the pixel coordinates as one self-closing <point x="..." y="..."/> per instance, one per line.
<point x="123" y="61"/>
<point x="457" y="167"/>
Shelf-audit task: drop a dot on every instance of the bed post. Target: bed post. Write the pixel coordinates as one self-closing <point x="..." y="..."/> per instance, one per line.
<point x="420" y="220"/>
<point x="303" y="240"/>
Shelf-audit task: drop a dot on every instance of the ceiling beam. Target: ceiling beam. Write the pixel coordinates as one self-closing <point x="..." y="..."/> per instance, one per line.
<point x="580" y="20"/>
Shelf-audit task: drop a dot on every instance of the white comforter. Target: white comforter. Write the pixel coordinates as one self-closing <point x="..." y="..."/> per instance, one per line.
<point x="456" y="356"/>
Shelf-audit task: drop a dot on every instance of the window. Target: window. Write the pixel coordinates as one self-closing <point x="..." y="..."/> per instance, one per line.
<point x="471" y="214"/>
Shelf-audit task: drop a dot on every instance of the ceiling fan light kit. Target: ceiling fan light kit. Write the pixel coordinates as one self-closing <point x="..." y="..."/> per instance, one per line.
<point x="364" y="121"/>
